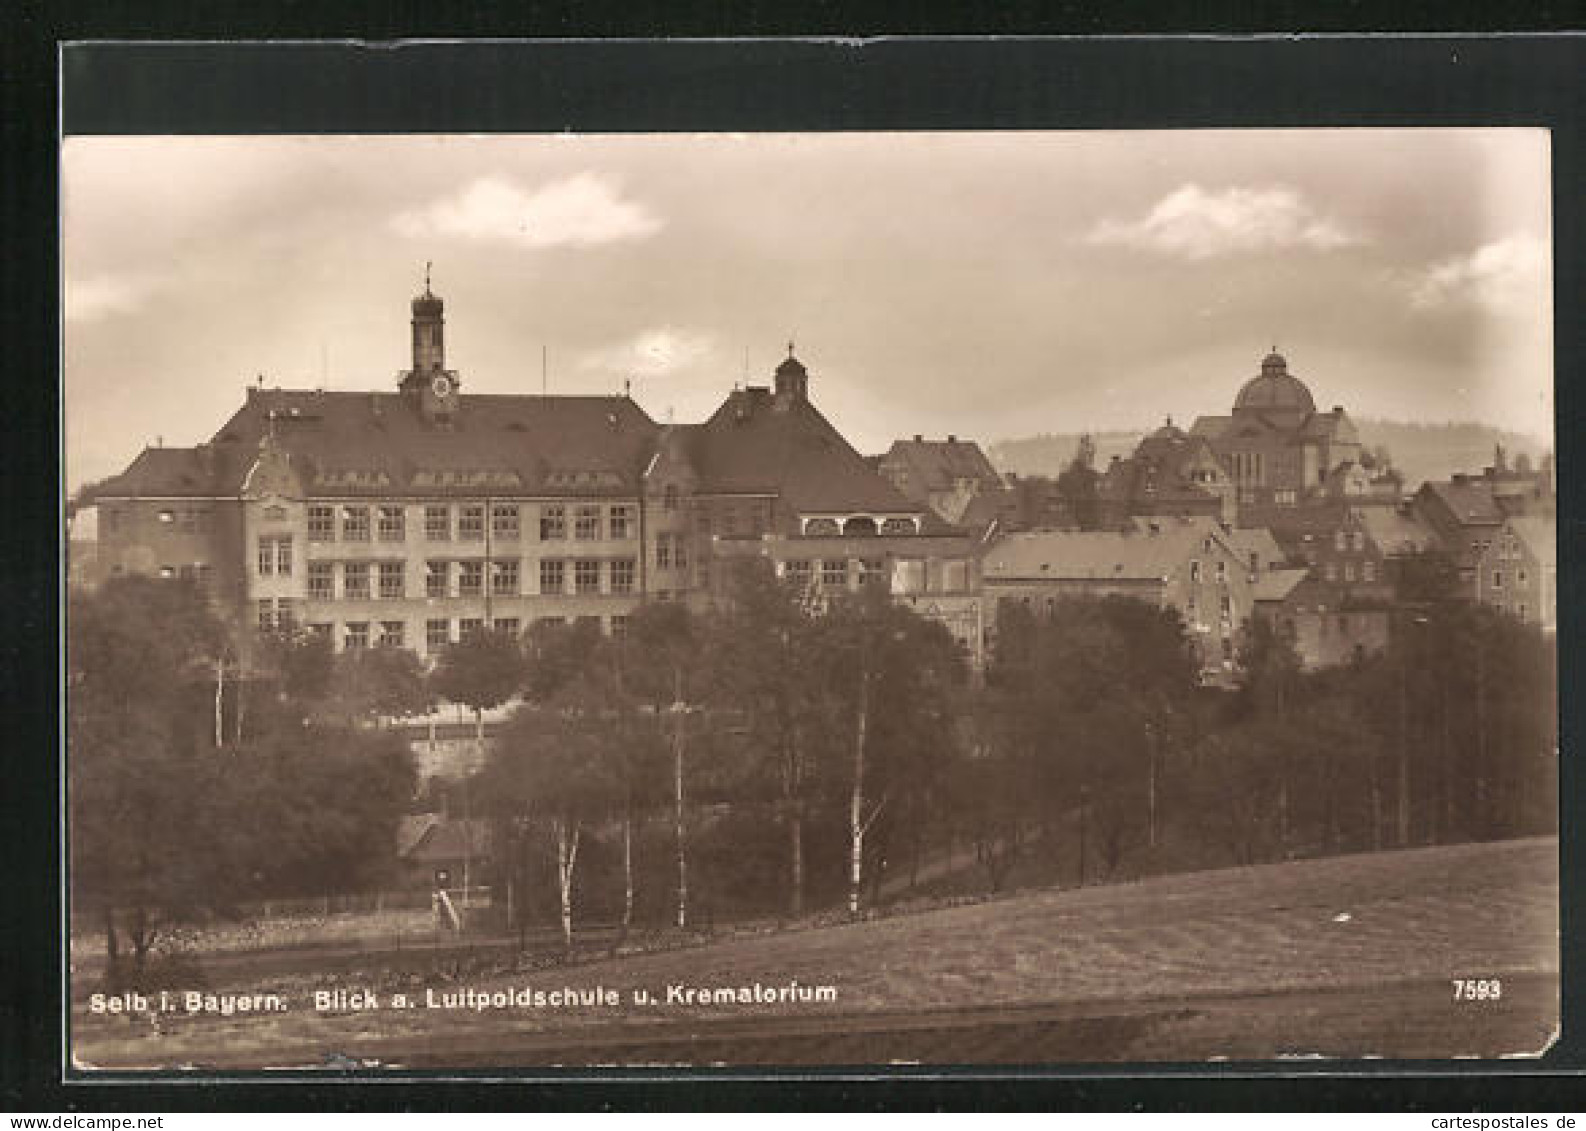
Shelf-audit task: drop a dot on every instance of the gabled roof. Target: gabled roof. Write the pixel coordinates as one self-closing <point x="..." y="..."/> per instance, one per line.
<point x="1278" y="584"/>
<point x="1468" y="501"/>
<point x="1257" y="540"/>
<point x="345" y="443"/>
<point x="1096" y="555"/>
<point x="759" y="444"/>
<point x="1540" y="536"/>
<point x="936" y="465"/>
<point x="1396" y="532"/>
<point x="452" y="838"/>
<point x="169" y="472"/>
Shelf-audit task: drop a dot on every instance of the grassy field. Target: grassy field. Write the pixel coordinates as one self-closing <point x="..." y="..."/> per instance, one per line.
<point x="1349" y="956"/>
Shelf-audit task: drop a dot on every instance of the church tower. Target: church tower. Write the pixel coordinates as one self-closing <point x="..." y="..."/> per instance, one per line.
<point x="429" y="385"/>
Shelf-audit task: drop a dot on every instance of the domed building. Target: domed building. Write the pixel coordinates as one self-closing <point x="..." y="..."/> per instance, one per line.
<point x="1275" y="447"/>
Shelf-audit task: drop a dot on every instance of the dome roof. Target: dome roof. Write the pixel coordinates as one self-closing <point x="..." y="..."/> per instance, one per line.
<point x="1275" y="390"/>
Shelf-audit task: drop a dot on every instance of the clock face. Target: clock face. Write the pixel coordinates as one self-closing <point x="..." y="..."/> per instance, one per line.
<point x="442" y="386"/>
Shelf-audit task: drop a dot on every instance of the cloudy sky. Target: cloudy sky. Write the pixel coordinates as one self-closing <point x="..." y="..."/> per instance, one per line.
<point x="992" y="285"/>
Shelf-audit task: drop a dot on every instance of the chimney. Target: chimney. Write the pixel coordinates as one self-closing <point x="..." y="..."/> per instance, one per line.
<point x="952" y="439"/>
<point x="919" y="439"/>
<point x="1338" y="410"/>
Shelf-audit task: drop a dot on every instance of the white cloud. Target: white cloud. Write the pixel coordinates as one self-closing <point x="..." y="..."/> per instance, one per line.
<point x="1505" y="276"/>
<point x="105" y="296"/>
<point x="1191" y="223"/>
<point x="581" y="210"/>
<point x="659" y="352"/>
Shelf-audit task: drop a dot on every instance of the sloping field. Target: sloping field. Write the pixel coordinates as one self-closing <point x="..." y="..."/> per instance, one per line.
<point x="1347" y="956"/>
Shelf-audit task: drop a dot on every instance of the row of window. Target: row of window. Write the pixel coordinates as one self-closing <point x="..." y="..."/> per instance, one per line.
<point x="1368" y="571"/>
<point x="352" y="522"/>
<point x="438" y="632"/>
<point x="360" y="581"/>
<point x="833" y="572"/>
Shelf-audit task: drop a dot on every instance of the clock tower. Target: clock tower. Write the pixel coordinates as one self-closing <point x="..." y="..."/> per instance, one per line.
<point x="429" y="385"/>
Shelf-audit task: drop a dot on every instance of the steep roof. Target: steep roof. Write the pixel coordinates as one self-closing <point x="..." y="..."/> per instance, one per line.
<point x="1468" y="501"/>
<point x="346" y="443"/>
<point x="1117" y="555"/>
<point x="936" y="465"/>
<point x="1396" y="532"/>
<point x="169" y="472"/>
<point x="759" y="444"/>
<point x="1257" y="540"/>
<point x="1278" y="584"/>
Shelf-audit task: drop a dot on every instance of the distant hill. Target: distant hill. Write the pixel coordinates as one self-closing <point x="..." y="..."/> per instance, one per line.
<point x="1420" y="451"/>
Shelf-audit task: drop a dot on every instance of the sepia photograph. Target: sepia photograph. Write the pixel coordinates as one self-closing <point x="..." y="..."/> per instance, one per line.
<point x="999" y="598"/>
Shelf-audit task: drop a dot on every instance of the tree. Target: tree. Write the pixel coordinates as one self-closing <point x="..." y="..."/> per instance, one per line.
<point x="888" y="674"/>
<point x="766" y="664"/>
<point x="665" y="642"/>
<point x="377" y="684"/>
<point x="1079" y="486"/>
<point x="483" y="670"/>
<point x="560" y="760"/>
<point x="137" y="773"/>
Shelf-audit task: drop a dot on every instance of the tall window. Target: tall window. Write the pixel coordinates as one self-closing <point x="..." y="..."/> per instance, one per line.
<point x="275" y="556"/>
<point x="504" y="578"/>
<point x="586" y="576"/>
<point x="553" y="523"/>
<point x="321" y="524"/>
<point x="438" y="523"/>
<point x="553" y="576"/>
<point x="266" y="615"/>
<point x="1341" y="541"/>
<point x="355" y="581"/>
<point x="355" y="524"/>
<point x="1222" y="572"/>
<point x="391" y="584"/>
<point x="510" y="626"/>
<point x="619" y="626"/>
<point x="679" y="551"/>
<point x="798" y="572"/>
<point x="1497" y="579"/>
<point x="873" y="571"/>
<point x="1368" y="570"/>
<point x="471" y="579"/>
<point x="470" y="627"/>
<point x="321" y="587"/>
<point x="285" y="614"/>
<point x="504" y="522"/>
<point x="834" y="573"/>
<point x="621" y="522"/>
<point x="669" y="497"/>
<point x="586" y="526"/>
<point x="393" y="634"/>
<point x="437" y="634"/>
<point x="622" y="574"/>
<point x="437" y="579"/>
<point x="663" y="551"/>
<point x="1349" y="571"/>
<point x="393" y="524"/>
<point x="1195" y="570"/>
<point x="471" y="523"/>
<point x="357" y="634"/>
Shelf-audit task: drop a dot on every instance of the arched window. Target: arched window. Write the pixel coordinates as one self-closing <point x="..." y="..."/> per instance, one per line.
<point x="859" y="527"/>
<point x="898" y="526"/>
<point x="822" y="528"/>
<point x="669" y="497"/>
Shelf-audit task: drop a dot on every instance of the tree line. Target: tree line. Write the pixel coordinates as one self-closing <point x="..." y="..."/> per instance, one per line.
<point x="785" y="753"/>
